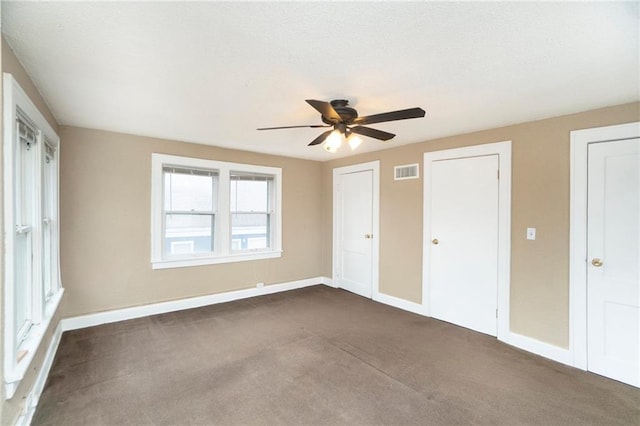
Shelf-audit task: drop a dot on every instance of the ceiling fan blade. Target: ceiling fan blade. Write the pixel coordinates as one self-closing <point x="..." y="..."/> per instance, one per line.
<point x="372" y="133"/>
<point x="320" y="138"/>
<point x="325" y="109"/>
<point x="402" y="114"/>
<point x="313" y="126"/>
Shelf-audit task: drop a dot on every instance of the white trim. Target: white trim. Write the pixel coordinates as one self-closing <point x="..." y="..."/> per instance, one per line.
<point x="213" y="260"/>
<point x="503" y="150"/>
<point x="42" y="311"/>
<point x="328" y="282"/>
<point x="580" y="140"/>
<point x="32" y="399"/>
<point x="374" y="166"/>
<point x="396" y="302"/>
<point x="528" y="344"/>
<point x="537" y="347"/>
<point x="116" y="315"/>
<point x="13" y="378"/>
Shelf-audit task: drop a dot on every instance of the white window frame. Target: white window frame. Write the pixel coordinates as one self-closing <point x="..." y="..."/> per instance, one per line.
<point x="20" y="350"/>
<point x="223" y="252"/>
<point x="212" y="213"/>
<point x="269" y="211"/>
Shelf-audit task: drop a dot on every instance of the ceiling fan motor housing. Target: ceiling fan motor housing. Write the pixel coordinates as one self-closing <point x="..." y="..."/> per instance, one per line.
<point x="345" y="112"/>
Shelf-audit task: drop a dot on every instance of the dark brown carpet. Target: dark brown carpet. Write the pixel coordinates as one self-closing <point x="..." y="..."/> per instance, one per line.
<point x="314" y="356"/>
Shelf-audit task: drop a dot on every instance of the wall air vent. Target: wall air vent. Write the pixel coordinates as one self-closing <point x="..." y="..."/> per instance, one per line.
<point x="407" y="171"/>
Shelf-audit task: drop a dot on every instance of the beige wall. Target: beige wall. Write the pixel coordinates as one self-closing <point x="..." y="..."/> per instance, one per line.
<point x="10" y="410"/>
<point x="105" y="202"/>
<point x="540" y="199"/>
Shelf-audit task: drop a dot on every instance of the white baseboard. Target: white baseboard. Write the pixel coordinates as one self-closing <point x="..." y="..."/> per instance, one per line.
<point x="528" y="344"/>
<point x="396" y="302"/>
<point x="32" y="398"/>
<point x="116" y="315"/>
<point x="328" y="282"/>
<point x="537" y="347"/>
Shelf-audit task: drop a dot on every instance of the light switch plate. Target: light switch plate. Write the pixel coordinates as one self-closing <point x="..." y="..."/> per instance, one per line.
<point x="531" y="233"/>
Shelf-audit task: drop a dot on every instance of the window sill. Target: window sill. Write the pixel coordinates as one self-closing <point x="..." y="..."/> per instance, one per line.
<point x="14" y="376"/>
<point x="200" y="261"/>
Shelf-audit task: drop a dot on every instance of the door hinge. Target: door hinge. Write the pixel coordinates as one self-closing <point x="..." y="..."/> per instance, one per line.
<point x="498" y="173"/>
<point x="496" y="313"/>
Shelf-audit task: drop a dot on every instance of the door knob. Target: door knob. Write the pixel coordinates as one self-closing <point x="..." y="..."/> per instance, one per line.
<point x="596" y="262"/>
<point x="368" y="236"/>
<point x="435" y="241"/>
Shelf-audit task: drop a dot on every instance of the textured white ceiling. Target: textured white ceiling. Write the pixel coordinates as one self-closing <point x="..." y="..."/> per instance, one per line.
<point x="212" y="72"/>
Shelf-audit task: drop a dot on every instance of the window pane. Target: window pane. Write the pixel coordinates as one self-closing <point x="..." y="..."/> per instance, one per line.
<point x="249" y="195"/>
<point x="185" y="192"/>
<point x="249" y="231"/>
<point x="22" y="279"/>
<point x="47" y="262"/>
<point x="188" y="234"/>
<point x="25" y="185"/>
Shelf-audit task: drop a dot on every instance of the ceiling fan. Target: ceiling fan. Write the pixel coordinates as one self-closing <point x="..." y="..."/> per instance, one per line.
<point x="345" y="122"/>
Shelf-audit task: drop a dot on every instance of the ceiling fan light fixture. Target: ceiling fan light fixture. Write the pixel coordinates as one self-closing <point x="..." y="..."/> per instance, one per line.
<point x="354" y="142"/>
<point x="333" y="142"/>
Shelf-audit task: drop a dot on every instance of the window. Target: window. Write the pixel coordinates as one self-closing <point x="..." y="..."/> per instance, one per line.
<point x="250" y="211"/>
<point x="189" y="211"/>
<point x="205" y="212"/>
<point x="24" y="210"/>
<point x="32" y="284"/>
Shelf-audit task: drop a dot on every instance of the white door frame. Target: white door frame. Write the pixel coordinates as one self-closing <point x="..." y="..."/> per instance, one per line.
<point x="580" y="140"/>
<point x="374" y="167"/>
<point x="503" y="150"/>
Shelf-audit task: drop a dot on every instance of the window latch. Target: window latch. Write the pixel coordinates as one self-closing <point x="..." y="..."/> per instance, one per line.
<point x="21" y="229"/>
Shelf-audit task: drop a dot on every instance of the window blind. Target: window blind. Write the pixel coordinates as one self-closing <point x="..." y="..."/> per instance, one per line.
<point x="250" y="177"/>
<point x="189" y="171"/>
